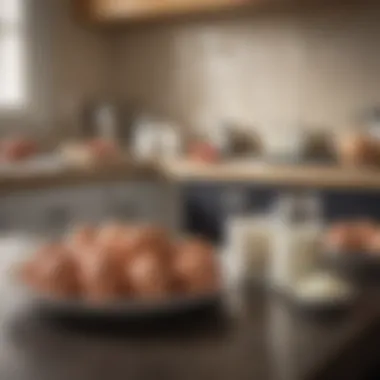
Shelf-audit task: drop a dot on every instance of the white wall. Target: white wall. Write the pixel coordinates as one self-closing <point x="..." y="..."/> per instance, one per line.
<point x="270" y="70"/>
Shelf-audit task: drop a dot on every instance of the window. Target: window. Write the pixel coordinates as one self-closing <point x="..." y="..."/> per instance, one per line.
<point x="12" y="84"/>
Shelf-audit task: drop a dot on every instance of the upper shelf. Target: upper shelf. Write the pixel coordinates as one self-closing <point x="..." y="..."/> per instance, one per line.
<point x="119" y="11"/>
<point x="307" y="175"/>
<point x="110" y="11"/>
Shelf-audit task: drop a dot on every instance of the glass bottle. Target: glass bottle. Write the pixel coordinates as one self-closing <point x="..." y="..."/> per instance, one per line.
<point x="295" y="243"/>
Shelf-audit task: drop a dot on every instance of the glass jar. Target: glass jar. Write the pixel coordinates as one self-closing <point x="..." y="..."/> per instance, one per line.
<point x="295" y="243"/>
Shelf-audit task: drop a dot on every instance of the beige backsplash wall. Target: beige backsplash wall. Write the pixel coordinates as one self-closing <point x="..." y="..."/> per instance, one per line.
<point x="79" y="65"/>
<point x="271" y="70"/>
<point x="67" y="64"/>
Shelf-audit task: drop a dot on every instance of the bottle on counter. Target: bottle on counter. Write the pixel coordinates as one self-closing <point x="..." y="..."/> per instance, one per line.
<point x="145" y="144"/>
<point x="247" y="243"/>
<point x="295" y="245"/>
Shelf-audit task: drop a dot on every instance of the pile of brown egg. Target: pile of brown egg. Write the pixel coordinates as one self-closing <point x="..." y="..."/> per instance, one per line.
<point x="122" y="261"/>
<point x="360" y="236"/>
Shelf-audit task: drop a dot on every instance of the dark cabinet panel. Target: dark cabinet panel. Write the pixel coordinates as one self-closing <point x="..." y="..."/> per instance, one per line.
<point x="207" y="206"/>
<point x="340" y="205"/>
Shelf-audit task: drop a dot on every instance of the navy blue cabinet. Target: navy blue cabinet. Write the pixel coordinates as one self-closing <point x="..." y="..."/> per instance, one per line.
<point x="207" y="205"/>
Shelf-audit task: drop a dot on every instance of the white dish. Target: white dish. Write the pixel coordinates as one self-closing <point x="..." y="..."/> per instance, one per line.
<point x="323" y="291"/>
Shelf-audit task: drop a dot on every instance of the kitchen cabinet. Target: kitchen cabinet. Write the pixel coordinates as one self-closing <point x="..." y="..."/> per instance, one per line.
<point x="143" y="202"/>
<point x="207" y="206"/>
<point x="116" y="10"/>
<point x="52" y="211"/>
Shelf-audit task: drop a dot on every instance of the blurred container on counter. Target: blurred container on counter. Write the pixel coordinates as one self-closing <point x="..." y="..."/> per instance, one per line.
<point x="299" y="144"/>
<point x="370" y="120"/>
<point x="248" y="246"/>
<point x="358" y="148"/>
<point x="318" y="145"/>
<point x="156" y="138"/>
<point x="285" y="145"/>
<point x="109" y="120"/>
<point x="242" y="141"/>
<point x="295" y="248"/>
<point x="225" y="141"/>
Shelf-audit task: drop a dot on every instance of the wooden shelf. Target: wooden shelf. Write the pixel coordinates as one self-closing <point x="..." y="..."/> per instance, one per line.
<point x="115" y="11"/>
<point x="320" y="176"/>
<point x="110" y="12"/>
<point x="17" y="180"/>
<point x="312" y="176"/>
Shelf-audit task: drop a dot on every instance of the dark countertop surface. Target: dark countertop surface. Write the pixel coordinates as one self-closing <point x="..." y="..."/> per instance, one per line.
<point x="255" y="335"/>
<point x="262" y="339"/>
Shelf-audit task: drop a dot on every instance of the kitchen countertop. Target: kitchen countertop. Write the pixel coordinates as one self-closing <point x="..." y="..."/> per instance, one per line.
<point x="259" y="338"/>
<point x="25" y="177"/>
<point x="297" y="175"/>
<point x="265" y="342"/>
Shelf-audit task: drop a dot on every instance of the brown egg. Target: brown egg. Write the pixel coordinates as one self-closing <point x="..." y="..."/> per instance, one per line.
<point x="157" y="240"/>
<point x="133" y="240"/>
<point x="344" y="237"/>
<point x="109" y="233"/>
<point x="195" y="266"/>
<point x="117" y="241"/>
<point x="373" y="245"/>
<point x="82" y="236"/>
<point x="100" y="277"/>
<point x="148" y="276"/>
<point x="195" y="254"/>
<point x="56" y="273"/>
<point x="365" y="231"/>
<point x="27" y="273"/>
